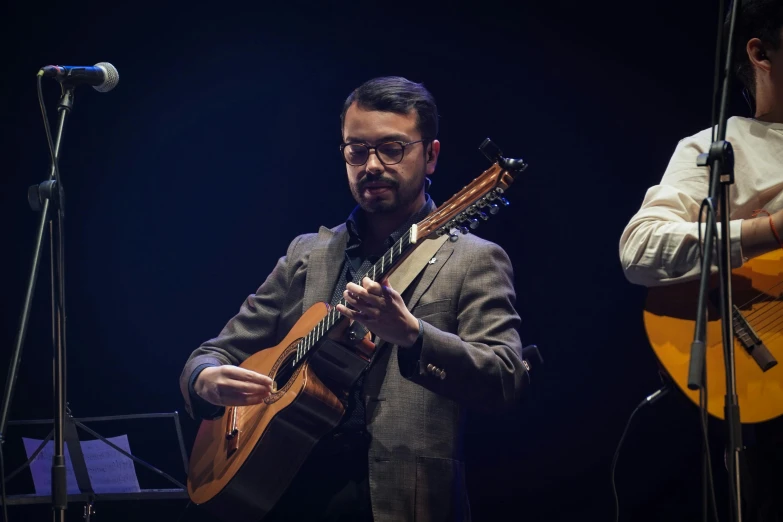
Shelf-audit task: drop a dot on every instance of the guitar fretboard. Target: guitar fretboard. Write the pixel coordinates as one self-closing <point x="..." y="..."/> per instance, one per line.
<point x="376" y="273"/>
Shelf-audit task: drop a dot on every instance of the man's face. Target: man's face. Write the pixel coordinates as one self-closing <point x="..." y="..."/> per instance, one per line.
<point x="380" y="188"/>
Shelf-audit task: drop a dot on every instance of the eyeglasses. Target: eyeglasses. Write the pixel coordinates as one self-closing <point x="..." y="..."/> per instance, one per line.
<point x="388" y="153"/>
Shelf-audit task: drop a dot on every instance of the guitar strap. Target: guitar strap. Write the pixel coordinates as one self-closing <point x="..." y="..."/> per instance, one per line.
<point x="415" y="263"/>
<point x="331" y="361"/>
<point x="405" y="273"/>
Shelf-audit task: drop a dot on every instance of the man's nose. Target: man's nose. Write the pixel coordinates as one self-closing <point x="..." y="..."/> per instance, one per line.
<point x="374" y="165"/>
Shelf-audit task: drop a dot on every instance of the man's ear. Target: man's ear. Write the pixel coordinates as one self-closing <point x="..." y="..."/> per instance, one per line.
<point x="432" y="156"/>
<point x="758" y="54"/>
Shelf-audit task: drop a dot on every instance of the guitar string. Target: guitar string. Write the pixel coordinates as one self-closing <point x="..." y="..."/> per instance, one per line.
<point x="760" y="318"/>
<point x="757" y="320"/>
<point x="760" y="313"/>
<point x="770" y="326"/>
<point x="762" y="325"/>
<point x="763" y="295"/>
<point x="761" y="309"/>
<point x="377" y="269"/>
<point x="769" y="335"/>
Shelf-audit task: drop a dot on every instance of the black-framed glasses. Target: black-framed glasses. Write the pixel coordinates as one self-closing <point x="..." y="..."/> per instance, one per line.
<point x="388" y="153"/>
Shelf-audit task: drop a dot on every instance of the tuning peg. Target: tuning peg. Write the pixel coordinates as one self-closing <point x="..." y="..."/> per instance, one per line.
<point x="473" y="223"/>
<point x="463" y="229"/>
<point x="453" y="236"/>
<point x="494" y="208"/>
<point x="483" y="216"/>
<point x="504" y="202"/>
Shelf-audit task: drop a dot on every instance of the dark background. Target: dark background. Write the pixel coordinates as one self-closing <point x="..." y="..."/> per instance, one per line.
<point x="219" y="145"/>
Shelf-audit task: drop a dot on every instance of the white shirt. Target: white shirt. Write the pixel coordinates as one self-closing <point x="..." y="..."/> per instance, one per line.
<point x="660" y="243"/>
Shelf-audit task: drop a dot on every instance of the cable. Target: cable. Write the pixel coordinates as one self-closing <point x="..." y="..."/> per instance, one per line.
<point x="48" y="131"/>
<point x="707" y="204"/>
<point x="614" y="463"/>
<point x="647" y="400"/>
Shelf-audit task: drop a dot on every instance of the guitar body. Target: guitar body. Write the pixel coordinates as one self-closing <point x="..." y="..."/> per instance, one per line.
<point x="242" y="477"/>
<point x="669" y="319"/>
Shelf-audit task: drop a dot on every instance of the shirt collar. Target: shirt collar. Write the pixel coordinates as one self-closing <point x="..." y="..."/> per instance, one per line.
<point x="357" y="216"/>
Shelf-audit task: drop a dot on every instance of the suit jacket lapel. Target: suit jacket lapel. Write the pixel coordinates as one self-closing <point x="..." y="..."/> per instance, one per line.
<point x="326" y="261"/>
<point x="431" y="270"/>
<point x="421" y="284"/>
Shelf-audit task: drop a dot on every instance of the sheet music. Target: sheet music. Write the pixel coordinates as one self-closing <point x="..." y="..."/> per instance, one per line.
<point x="109" y="470"/>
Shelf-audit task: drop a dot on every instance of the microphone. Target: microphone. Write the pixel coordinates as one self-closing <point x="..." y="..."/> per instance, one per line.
<point x="102" y="76"/>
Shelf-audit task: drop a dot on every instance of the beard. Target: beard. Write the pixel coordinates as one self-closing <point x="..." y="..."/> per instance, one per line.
<point x="399" y="194"/>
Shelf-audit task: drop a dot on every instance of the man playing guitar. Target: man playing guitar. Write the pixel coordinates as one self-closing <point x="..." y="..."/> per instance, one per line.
<point x="450" y="339"/>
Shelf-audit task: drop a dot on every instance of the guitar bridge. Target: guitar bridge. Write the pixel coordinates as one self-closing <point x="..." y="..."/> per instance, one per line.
<point x="232" y="430"/>
<point x="752" y="343"/>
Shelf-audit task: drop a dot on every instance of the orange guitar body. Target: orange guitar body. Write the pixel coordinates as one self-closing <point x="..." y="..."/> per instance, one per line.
<point x="669" y="320"/>
<point x="243" y="461"/>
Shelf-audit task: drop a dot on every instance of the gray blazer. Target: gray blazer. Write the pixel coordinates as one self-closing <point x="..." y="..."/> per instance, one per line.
<point x="415" y="401"/>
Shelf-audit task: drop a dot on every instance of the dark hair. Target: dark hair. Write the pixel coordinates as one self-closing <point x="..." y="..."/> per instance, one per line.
<point x="762" y="19"/>
<point x="400" y="96"/>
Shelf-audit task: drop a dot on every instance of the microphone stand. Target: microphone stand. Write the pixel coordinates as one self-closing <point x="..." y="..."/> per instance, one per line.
<point x="48" y="198"/>
<point x="720" y="160"/>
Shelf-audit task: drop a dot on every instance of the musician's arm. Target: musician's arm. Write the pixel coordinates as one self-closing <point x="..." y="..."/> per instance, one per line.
<point x="660" y="244"/>
<point x="482" y="360"/>
<point x="252" y="328"/>
<point x="757" y="236"/>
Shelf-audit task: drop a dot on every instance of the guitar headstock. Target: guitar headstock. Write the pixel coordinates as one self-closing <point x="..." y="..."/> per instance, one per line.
<point x="467" y="208"/>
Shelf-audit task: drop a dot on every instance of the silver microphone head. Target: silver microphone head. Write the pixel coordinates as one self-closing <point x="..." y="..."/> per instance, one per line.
<point x="112" y="77"/>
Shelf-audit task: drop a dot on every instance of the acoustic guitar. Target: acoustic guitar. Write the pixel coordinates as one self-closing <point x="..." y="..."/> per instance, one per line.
<point x="757" y="286"/>
<point x="242" y="462"/>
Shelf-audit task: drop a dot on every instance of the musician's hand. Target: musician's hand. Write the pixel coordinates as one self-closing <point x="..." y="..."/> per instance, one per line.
<point x="381" y="309"/>
<point x="228" y="385"/>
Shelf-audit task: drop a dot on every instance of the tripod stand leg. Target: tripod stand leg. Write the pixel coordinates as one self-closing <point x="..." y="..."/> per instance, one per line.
<point x="77" y="456"/>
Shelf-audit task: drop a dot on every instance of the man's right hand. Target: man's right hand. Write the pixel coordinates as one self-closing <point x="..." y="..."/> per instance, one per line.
<point x="228" y="385"/>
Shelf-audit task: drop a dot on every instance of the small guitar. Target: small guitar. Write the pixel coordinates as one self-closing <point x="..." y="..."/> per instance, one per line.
<point x="757" y="286"/>
<point x="243" y="462"/>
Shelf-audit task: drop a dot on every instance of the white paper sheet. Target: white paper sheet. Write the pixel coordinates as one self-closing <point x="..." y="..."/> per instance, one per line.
<point x="109" y="470"/>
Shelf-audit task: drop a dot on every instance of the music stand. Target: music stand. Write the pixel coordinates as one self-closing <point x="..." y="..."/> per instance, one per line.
<point x="87" y="495"/>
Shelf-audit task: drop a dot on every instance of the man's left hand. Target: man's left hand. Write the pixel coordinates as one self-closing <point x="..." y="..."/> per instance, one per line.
<point x="380" y="308"/>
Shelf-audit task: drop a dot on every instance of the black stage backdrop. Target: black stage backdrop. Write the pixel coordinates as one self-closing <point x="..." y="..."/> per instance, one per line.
<point x="219" y="145"/>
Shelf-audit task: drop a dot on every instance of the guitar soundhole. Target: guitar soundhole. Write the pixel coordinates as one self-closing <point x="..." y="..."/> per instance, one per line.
<point x="285" y="371"/>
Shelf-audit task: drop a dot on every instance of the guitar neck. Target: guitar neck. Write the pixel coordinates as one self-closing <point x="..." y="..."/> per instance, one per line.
<point x="461" y="210"/>
<point x="377" y="272"/>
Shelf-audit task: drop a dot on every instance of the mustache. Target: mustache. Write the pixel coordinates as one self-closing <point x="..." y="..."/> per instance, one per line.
<point x="377" y="179"/>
